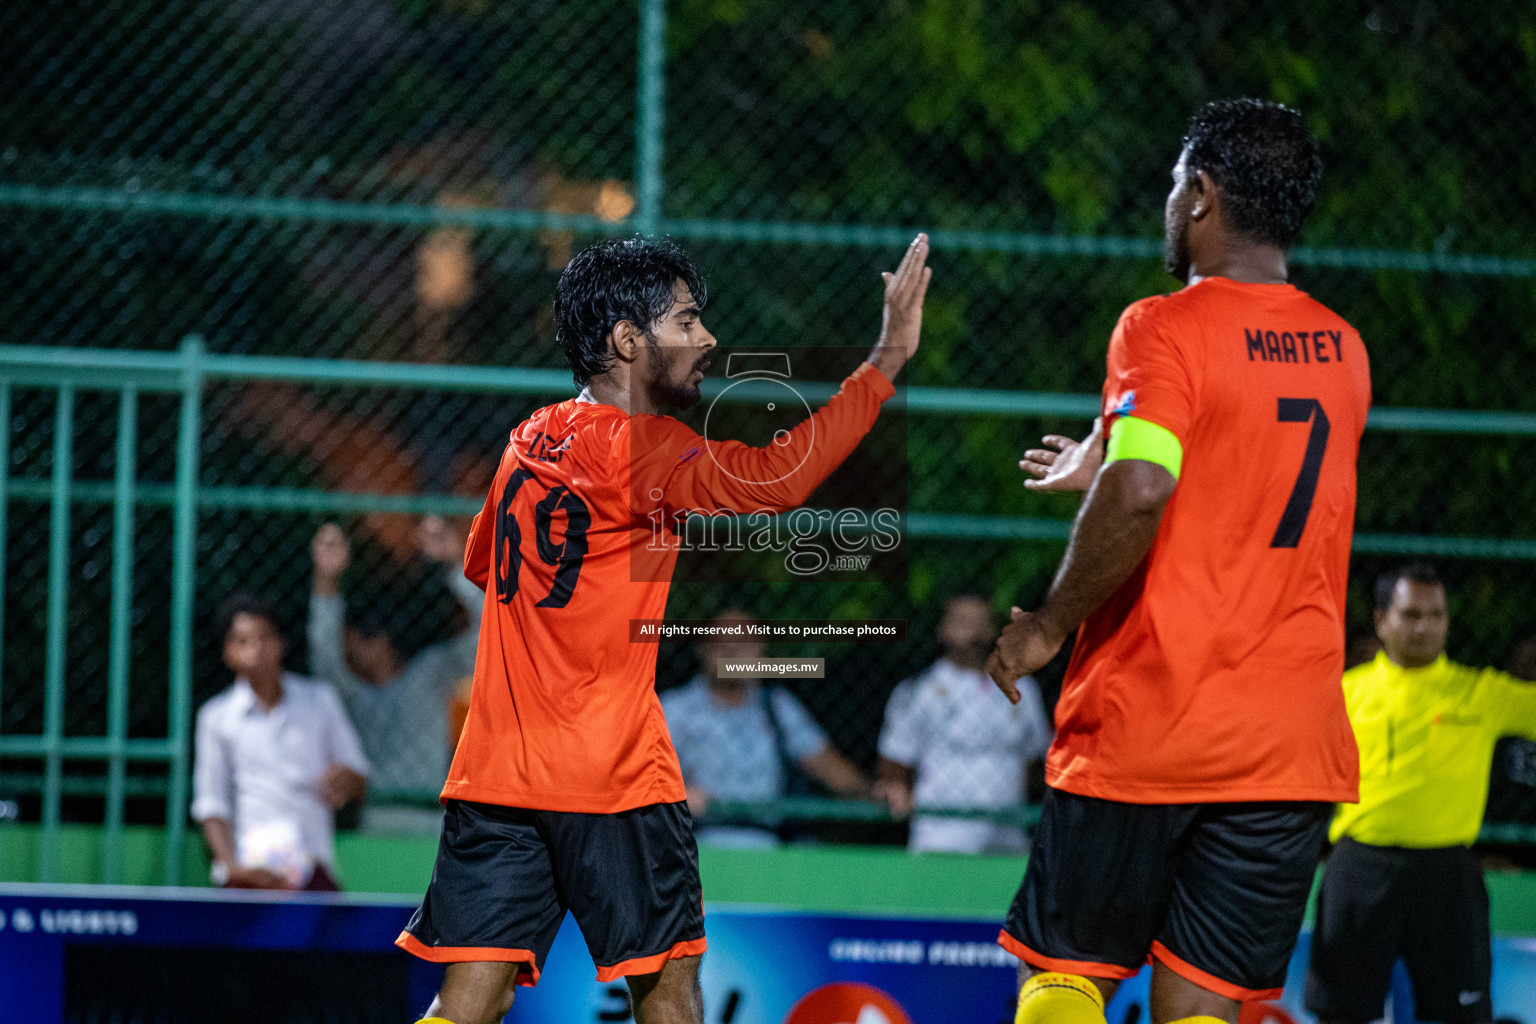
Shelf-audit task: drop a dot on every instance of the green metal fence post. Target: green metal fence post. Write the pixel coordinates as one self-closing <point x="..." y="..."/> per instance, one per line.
<point x="121" y="629"/>
<point x="183" y="589"/>
<point x="58" y="624"/>
<point x="650" y="114"/>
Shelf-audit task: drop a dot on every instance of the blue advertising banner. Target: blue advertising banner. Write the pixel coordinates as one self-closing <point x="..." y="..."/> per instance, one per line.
<point x="772" y="967"/>
<point x="88" y="952"/>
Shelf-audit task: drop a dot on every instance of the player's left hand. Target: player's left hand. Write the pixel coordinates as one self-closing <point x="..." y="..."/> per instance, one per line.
<point x="1026" y="644"/>
<point x="901" y="323"/>
<point x="1071" y="467"/>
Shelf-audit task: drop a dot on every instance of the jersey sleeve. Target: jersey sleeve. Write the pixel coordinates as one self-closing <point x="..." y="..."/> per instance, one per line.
<point x="477" y="549"/>
<point x="1148" y="375"/>
<point x="213" y="774"/>
<point x="327" y="657"/>
<point x="1517" y="704"/>
<point x="678" y="469"/>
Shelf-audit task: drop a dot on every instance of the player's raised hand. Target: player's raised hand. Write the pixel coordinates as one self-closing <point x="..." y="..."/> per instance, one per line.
<point x="331" y="553"/>
<point x="901" y="322"/>
<point x="1026" y="644"/>
<point x="1071" y="467"/>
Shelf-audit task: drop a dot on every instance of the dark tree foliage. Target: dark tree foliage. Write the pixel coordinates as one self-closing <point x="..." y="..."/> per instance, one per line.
<point x="1057" y="123"/>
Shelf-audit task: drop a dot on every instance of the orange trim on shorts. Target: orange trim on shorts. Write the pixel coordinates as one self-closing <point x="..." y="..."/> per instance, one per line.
<point x="1086" y="968"/>
<point x="1209" y="982"/>
<point x="650" y="964"/>
<point x="528" y="976"/>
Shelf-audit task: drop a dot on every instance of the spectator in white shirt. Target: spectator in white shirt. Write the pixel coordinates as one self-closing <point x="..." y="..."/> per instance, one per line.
<point x="952" y="740"/>
<point x="276" y="756"/>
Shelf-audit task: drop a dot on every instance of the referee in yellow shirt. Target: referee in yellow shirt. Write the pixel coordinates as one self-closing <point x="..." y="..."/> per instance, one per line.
<point x="1401" y="881"/>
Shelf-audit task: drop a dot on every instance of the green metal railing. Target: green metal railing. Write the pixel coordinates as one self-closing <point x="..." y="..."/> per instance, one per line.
<point x="186" y="373"/>
<point x="115" y="747"/>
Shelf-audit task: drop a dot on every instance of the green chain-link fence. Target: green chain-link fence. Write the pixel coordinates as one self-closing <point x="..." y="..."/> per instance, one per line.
<point x="402" y="180"/>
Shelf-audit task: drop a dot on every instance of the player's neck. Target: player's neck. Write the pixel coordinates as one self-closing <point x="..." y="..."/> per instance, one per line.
<point x="617" y="392"/>
<point x="1238" y="259"/>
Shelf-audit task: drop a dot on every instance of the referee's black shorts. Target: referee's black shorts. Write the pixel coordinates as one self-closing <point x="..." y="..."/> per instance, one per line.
<point x="1378" y="903"/>
<point x="1215" y="892"/>
<point x="505" y="877"/>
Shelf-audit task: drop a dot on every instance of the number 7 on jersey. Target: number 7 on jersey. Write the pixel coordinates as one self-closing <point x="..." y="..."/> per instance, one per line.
<point x="1294" y="519"/>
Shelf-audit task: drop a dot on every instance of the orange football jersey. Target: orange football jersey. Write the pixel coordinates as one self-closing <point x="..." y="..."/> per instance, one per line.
<point x="1213" y="673"/>
<point x="563" y="713"/>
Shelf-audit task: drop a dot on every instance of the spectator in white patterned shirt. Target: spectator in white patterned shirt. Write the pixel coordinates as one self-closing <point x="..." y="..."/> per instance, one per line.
<point x="951" y="739"/>
<point x="276" y="756"/>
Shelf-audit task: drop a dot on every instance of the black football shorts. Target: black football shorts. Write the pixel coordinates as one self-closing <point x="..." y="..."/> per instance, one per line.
<point x="505" y="877"/>
<point x="1378" y="903"/>
<point x="1215" y="892"/>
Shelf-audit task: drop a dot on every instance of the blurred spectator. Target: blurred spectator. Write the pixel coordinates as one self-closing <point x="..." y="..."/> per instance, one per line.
<point x="1522" y="660"/>
<point x="1518" y="756"/>
<point x="952" y="739"/>
<point x="739" y="740"/>
<point x="1402" y="881"/>
<point x="400" y="706"/>
<point x="276" y="757"/>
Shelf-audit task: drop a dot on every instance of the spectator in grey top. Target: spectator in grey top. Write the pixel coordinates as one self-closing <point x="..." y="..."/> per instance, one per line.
<point x="726" y="743"/>
<point x="400" y="706"/>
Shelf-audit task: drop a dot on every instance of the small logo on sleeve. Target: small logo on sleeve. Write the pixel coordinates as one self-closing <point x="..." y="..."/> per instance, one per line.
<point x="1125" y="405"/>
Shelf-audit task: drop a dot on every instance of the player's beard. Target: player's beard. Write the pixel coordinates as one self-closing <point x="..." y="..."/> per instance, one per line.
<point x="666" y="393"/>
<point x="1176" y="248"/>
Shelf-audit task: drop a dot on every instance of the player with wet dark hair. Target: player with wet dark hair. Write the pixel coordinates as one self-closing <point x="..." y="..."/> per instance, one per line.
<point x="1265" y="164"/>
<point x="565" y="792"/>
<point x="1201" y="733"/>
<point x="627" y="279"/>
<point x="1264" y="161"/>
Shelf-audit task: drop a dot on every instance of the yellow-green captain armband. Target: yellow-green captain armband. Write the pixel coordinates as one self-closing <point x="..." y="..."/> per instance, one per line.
<point x="1132" y="438"/>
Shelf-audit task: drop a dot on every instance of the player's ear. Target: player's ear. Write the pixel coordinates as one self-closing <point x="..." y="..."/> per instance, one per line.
<point x="1381" y="618"/>
<point x="1207" y="198"/>
<point x="626" y="340"/>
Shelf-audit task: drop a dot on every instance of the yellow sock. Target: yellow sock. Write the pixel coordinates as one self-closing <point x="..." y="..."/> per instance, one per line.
<point x="1060" y="999"/>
